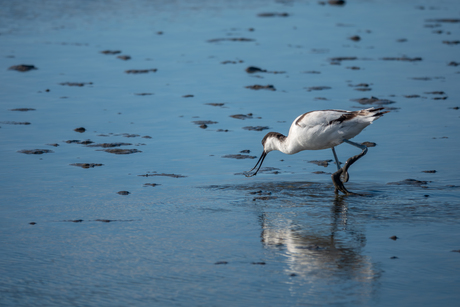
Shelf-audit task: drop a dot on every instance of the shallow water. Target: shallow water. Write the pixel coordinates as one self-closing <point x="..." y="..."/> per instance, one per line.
<point x="211" y="236"/>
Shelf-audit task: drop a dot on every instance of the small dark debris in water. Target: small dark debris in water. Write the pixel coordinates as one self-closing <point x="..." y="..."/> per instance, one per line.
<point x="455" y="108"/>
<point x="427" y="78"/>
<point x="394" y="257"/>
<point x="318" y="88"/>
<point x="121" y="151"/>
<point x="404" y="58"/>
<point x="360" y="85"/>
<point x="231" y="62"/>
<point x="312" y="72"/>
<point x="413" y="182"/>
<point x="369" y="144"/>
<point x="80" y="130"/>
<point x="23" y="109"/>
<point x="188" y="96"/>
<point x="338" y="60"/>
<point x="254" y="69"/>
<point x="123" y="193"/>
<point x="451" y="42"/>
<point x="222" y="130"/>
<point x="260" y="192"/>
<point x="146" y="137"/>
<point x="264" y="198"/>
<point x="320" y="172"/>
<point x="373" y="100"/>
<point x="239" y="156"/>
<point x="111" y="52"/>
<point x="234" y="39"/>
<point x="336" y="2"/>
<point x="412" y="96"/>
<point x="221" y="262"/>
<point x="256" y="128"/>
<point x="79" y="84"/>
<point x="449" y="20"/>
<point x="204" y="122"/>
<point x="259" y="263"/>
<point x="151" y="184"/>
<point x="453" y="64"/>
<point x="22" y="67"/>
<point x="242" y="116"/>
<point x="355" y="38"/>
<point x="73" y="221"/>
<point x="203" y="126"/>
<point x="273" y="14"/>
<point x="140" y="71"/>
<point x="215" y="104"/>
<point x="162" y="175"/>
<point x="426" y="195"/>
<point x="86" y="165"/>
<point x="402" y="40"/>
<point x="245" y="151"/>
<point x="33" y="223"/>
<point x="354" y="67"/>
<point x="430" y="171"/>
<point x="293" y="274"/>
<point x="440" y="98"/>
<point x="143" y="94"/>
<point x="324" y="163"/>
<point x="35" y="151"/>
<point x="73" y="141"/>
<point x="455" y="251"/>
<point x="124" y="57"/>
<point x="104" y="221"/>
<point x="14" y="123"/>
<point x="129" y="135"/>
<point x="394" y="238"/>
<point x="435" y="93"/>
<point x="261" y="87"/>
<point x="54" y="145"/>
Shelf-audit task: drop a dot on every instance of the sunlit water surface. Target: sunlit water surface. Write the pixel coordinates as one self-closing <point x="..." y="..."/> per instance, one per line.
<point x="204" y="235"/>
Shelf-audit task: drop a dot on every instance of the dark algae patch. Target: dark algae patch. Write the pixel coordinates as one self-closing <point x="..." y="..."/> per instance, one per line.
<point x="155" y="174"/>
<point x="256" y="128"/>
<point x="35" y="151"/>
<point x="78" y="84"/>
<point x="242" y="116"/>
<point x="140" y="71"/>
<point x="86" y="165"/>
<point x="261" y="87"/>
<point x="119" y="151"/>
<point x="109" y="145"/>
<point x="23" y="109"/>
<point x="23" y="67"/>
<point x="239" y="156"/>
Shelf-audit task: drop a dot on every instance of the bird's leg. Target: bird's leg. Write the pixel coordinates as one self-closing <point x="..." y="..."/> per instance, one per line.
<point x="336" y="160"/>
<point x="344" y="170"/>
<point x="344" y="176"/>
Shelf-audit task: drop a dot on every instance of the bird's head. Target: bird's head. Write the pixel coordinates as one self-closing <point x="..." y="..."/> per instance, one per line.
<point x="270" y="142"/>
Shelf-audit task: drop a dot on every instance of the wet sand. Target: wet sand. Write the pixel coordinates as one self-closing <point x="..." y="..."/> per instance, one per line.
<point x="126" y="128"/>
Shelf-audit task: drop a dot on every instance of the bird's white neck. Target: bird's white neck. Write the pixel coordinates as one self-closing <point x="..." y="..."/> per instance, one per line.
<point x="277" y="141"/>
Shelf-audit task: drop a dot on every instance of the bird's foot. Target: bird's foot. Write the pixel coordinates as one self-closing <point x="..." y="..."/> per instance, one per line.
<point x="344" y="177"/>
<point x="338" y="184"/>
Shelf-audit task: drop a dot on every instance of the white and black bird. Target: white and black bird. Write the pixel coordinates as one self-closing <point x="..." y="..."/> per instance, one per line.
<point x="324" y="129"/>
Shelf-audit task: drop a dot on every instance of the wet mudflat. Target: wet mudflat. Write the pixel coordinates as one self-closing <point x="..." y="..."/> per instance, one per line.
<point x="118" y="187"/>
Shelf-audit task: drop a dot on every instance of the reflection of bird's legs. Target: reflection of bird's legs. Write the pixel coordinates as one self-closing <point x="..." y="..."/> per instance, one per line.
<point x="344" y="170"/>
